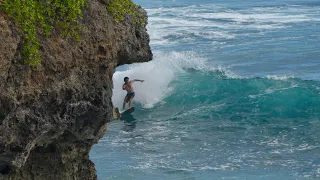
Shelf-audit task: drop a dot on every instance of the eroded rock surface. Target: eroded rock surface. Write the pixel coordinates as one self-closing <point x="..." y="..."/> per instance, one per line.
<point x="51" y="117"/>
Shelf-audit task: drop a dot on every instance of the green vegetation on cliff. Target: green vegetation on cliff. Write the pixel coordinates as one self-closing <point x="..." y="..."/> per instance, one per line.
<point x="38" y="18"/>
<point x="43" y="17"/>
<point x="120" y="8"/>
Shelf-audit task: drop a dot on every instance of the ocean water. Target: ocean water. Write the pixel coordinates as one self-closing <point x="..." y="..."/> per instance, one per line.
<point x="233" y="92"/>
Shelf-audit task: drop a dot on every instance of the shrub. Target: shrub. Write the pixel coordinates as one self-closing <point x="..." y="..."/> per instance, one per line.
<point x="41" y="17"/>
<point x="120" y="8"/>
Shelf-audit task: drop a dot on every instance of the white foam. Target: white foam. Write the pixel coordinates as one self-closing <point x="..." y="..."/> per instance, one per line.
<point x="254" y="18"/>
<point x="304" y="147"/>
<point x="227" y="166"/>
<point x="228" y="73"/>
<point x="157" y="75"/>
<point x="279" y="78"/>
<point x="160" y="28"/>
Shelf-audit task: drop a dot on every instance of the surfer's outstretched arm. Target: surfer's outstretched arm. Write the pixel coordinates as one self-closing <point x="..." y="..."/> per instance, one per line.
<point x="137" y="80"/>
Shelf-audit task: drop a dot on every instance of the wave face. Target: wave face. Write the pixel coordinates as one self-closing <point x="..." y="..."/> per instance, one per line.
<point x="233" y="92"/>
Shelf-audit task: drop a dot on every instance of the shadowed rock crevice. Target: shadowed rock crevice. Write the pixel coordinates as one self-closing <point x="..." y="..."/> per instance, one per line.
<point x="51" y="117"/>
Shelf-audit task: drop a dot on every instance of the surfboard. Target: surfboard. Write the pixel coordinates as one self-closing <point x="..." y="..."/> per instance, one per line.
<point x="117" y="114"/>
<point x="128" y="111"/>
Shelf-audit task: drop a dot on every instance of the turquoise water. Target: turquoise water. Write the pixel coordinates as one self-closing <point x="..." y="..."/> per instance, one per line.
<point x="233" y="92"/>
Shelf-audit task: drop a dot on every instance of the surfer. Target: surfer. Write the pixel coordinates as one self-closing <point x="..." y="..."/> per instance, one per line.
<point x="130" y="92"/>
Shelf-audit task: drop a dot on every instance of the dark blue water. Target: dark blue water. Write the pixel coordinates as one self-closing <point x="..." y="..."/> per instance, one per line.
<point x="233" y="92"/>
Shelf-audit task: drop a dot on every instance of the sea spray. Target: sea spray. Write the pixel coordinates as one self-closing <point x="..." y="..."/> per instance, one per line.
<point x="157" y="74"/>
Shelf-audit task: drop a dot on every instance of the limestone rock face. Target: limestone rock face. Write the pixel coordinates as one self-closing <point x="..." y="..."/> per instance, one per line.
<point x="50" y="117"/>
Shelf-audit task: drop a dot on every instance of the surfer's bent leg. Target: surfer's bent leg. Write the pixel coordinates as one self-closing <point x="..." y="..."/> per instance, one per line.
<point x="124" y="102"/>
<point x="124" y="105"/>
<point x="131" y="99"/>
<point x="130" y="103"/>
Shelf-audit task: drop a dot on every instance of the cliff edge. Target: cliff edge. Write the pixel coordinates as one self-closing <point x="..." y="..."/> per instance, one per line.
<point x="51" y="116"/>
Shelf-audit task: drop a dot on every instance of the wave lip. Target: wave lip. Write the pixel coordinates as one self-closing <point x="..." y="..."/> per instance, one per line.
<point x="158" y="74"/>
<point x="172" y="72"/>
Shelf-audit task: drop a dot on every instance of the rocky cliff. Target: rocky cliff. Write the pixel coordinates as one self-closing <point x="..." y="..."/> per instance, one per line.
<point x="51" y="116"/>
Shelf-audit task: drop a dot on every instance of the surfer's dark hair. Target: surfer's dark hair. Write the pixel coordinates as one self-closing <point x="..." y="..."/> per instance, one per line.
<point x="126" y="78"/>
